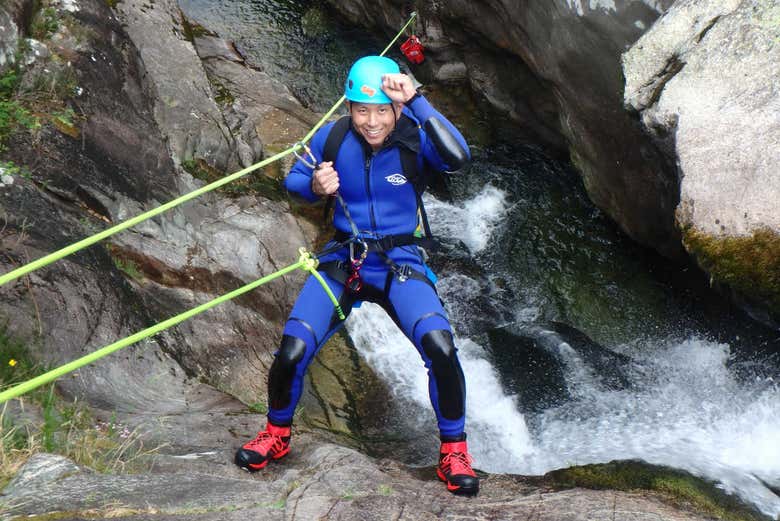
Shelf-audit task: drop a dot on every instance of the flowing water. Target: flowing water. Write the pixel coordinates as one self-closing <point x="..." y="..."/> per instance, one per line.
<point x="578" y="346"/>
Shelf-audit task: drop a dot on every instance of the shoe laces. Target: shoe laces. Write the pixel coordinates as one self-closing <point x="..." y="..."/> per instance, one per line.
<point x="265" y="442"/>
<point x="457" y="463"/>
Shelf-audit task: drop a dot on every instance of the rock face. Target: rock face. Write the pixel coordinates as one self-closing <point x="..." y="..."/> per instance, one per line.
<point x="321" y="481"/>
<point x="706" y="83"/>
<point x="554" y="68"/>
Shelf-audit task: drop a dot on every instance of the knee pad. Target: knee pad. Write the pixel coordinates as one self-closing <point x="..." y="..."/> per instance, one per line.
<point x="450" y="383"/>
<point x="282" y="373"/>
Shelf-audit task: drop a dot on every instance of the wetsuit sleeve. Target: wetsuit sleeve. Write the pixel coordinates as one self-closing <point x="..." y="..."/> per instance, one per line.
<point x="298" y="181"/>
<point x="423" y="111"/>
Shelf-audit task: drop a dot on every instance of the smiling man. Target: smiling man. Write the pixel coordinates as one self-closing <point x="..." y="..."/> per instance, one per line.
<point x="375" y="161"/>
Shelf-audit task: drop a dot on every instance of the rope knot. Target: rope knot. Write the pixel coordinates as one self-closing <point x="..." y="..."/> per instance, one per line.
<point x="308" y="262"/>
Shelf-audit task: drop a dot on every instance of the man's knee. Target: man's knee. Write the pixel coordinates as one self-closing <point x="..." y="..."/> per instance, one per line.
<point x="280" y="378"/>
<point x="439" y="347"/>
<point x="291" y="351"/>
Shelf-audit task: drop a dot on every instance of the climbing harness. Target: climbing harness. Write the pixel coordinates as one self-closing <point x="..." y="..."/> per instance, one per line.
<point x="307" y="261"/>
<point x="413" y="50"/>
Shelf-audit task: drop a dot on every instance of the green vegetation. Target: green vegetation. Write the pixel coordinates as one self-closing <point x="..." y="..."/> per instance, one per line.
<point x="45" y="23"/>
<point x="12" y="113"/>
<point x="54" y="425"/>
<point x="222" y="94"/>
<point x="128" y="267"/>
<point x="258" y="407"/>
<point x="254" y="183"/>
<point x="680" y="488"/>
<point x="14" y="170"/>
<point x="192" y="29"/>
<point x="25" y="104"/>
<point x="746" y="264"/>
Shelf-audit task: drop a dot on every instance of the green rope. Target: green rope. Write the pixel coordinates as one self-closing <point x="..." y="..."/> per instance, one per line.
<point x="73" y="248"/>
<point x="305" y="262"/>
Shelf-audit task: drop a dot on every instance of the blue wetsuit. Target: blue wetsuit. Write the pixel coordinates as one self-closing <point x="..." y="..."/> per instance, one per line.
<point x="381" y="202"/>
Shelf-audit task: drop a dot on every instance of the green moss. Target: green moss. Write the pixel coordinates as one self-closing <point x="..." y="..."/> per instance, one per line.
<point x="222" y="94"/>
<point x="192" y="29"/>
<point x="746" y="264"/>
<point x="254" y="183"/>
<point x="680" y="488"/>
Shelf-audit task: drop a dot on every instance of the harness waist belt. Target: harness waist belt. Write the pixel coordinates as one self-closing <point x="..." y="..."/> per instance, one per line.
<point x="388" y="242"/>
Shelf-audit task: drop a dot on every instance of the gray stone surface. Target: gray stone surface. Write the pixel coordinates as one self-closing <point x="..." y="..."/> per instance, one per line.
<point x="184" y="105"/>
<point x="325" y="482"/>
<point x="707" y="74"/>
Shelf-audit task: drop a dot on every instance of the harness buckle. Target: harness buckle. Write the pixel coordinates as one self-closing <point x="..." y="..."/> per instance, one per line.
<point x="403" y="272"/>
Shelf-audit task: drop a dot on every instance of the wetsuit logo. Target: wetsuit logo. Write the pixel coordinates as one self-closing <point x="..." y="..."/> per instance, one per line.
<point x="396" y="179"/>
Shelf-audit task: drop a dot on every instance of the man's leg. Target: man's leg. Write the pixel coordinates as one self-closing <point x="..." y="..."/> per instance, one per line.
<point x="312" y="322"/>
<point x="419" y="312"/>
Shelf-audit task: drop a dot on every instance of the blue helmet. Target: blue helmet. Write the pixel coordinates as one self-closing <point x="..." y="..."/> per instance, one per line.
<point x="364" y="82"/>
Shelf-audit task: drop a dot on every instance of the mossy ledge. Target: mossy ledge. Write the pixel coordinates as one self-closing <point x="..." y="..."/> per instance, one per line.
<point x="680" y="488"/>
<point x="750" y="265"/>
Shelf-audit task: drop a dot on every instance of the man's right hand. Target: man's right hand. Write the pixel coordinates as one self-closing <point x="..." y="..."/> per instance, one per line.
<point x="325" y="180"/>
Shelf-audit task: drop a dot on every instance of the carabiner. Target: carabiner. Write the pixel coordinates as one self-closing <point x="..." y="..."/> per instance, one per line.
<point x="311" y="161"/>
<point x="353" y="282"/>
<point x="359" y="260"/>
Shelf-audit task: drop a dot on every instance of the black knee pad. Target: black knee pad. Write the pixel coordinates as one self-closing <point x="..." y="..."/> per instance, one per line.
<point x="450" y="383"/>
<point x="280" y="378"/>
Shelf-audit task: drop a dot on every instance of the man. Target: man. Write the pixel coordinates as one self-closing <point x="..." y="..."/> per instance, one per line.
<point x="379" y="202"/>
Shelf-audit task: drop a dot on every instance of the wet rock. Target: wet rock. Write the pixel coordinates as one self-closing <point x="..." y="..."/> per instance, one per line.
<point x="725" y="143"/>
<point x="13" y="16"/>
<point x="327" y="482"/>
<point x="546" y="360"/>
<point x="185" y="110"/>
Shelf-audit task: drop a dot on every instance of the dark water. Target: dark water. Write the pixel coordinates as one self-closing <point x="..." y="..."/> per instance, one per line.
<point x="582" y="345"/>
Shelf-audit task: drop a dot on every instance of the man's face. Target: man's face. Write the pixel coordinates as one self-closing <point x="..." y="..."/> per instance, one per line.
<point x="374" y="122"/>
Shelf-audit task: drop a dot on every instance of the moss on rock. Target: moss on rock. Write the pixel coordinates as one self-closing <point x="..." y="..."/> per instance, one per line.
<point x="680" y="488"/>
<point x="750" y="265"/>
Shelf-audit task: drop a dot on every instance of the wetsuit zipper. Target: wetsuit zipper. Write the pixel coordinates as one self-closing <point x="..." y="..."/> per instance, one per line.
<point x="368" y="193"/>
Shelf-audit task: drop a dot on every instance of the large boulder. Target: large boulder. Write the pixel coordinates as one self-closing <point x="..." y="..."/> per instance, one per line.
<point x="554" y="68"/>
<point x="706" y="83"/>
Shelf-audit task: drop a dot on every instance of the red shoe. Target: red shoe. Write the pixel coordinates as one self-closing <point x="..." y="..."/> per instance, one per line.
<point x="455" y="469"/>
<point x="272" y="443"/>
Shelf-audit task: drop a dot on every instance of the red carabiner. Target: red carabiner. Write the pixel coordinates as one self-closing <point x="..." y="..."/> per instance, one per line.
<point x="413" y="50"/>
<point x="353" y="282"/>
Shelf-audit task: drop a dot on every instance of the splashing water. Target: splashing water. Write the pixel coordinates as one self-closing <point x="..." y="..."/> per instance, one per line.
<point x="684" y="407"/>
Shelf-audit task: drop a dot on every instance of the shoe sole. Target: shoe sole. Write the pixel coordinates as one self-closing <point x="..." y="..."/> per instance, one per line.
<point x="254" y="467"/>
<point x="457" y="489"/>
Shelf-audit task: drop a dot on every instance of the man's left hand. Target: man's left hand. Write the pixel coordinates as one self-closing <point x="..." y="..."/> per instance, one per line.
<point x="398" y="87"/>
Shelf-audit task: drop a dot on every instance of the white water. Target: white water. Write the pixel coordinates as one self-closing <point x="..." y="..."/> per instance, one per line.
<point x="685" y="408"/>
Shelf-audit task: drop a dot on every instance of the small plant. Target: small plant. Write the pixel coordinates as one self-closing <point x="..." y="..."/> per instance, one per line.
<point x="12" y="113"/>
<point x="385" y="490"/>
<point x="45" y="24"/>
<point x="12" y="169"/>
<point x="258" y="407"/>
<point x="129" y="268"/>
